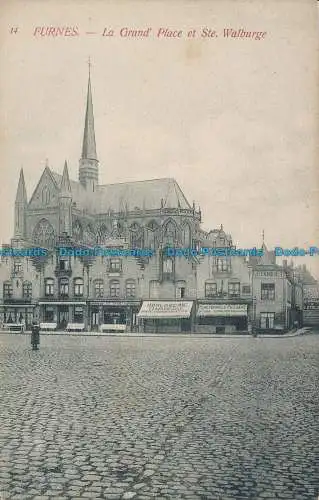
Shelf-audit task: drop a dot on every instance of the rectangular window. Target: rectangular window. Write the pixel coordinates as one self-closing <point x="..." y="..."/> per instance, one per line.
<point x="78" y="287"/>
<point x="64" y="288"/>
<point x="99" y="289"/>
<point x="27" y="290"/>
<point x="49" y="285"/>
<point x="267" y="291"/>
<point x="234" y="289"/>
<point x="130" y="289"/>
<point x="115" y="289"/>
<point x="210" y="290"/>
<point x="222" y="264"/>
<point x="267" y="320"/>
<point x="64" y="265"/>
<point x="7" y="290"/>
<point x="115" y="265"/>
<point x="246" y="289"/>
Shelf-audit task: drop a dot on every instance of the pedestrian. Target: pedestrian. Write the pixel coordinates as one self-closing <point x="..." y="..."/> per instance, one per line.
<point x="35" y="335"/>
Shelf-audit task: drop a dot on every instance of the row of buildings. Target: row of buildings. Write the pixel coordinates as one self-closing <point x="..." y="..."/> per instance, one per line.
<point x="157" y="293"/>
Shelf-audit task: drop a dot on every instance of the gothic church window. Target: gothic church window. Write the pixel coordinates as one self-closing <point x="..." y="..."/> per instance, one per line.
<point x="43" y="234"/>
<point x="170" y="233"/>
<point x="187" y="236"/>
<point x="77" y="231"/>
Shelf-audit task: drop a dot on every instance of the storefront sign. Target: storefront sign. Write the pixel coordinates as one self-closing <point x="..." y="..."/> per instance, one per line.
<point x="222" y="310"/>
<point x="268" y="274"/>
<point x="159" y="309"/>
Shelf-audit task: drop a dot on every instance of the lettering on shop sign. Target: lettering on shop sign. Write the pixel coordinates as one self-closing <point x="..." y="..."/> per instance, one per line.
<point x="268" y="274"/>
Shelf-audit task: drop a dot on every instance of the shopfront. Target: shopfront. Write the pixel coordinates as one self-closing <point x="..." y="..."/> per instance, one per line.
<point x="165" y="317"/>
<point x="221" y="318"/>
<point x="17" y="314"/>
<point x="63" y="312"/>
<point x="114" y="315"/>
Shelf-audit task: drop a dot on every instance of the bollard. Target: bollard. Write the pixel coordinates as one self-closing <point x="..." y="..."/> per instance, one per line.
<point x="35" y="336"/>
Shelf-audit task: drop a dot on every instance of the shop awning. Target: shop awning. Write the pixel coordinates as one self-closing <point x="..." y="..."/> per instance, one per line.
<point x="160" y="309"/>
<point x="222" y="310"/>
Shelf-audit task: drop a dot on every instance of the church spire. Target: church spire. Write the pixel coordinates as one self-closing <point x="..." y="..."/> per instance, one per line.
<point x="20" y="207"/>
<point x="89" y="146"/>
<point x="65" y="182"/>
<point x="21" y="195"/>
<point x="88" y="171"/>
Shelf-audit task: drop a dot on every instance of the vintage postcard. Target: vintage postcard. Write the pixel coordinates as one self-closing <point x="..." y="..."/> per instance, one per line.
<point x="159" y="258"/>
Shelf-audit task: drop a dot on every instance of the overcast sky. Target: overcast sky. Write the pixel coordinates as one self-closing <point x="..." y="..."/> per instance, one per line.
<point x="234" y="121"/>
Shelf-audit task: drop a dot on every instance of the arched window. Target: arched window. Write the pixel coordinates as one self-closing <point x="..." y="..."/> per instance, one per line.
<point x="64" y="287"/>
<point x="7" y="290"/>
<point x="43" y="234"/>
<point x="49" y="287"/>
<point x="78" y="287"/>
<point x="170" y="233"/>
<point x="153" y="234"/>
<point x="114" y="288"/>
<point x="187" y="235"/>
<point x="136" y="236"/>
<point x="98" y="289"/>
<point x="77" y="231"/>
<point x="130" y="288"/>
<point x="27" y="290"/>
<point x="102" y="235"/>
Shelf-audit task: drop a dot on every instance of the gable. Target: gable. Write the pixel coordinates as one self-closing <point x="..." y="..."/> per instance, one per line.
<point x="46" y="193"/>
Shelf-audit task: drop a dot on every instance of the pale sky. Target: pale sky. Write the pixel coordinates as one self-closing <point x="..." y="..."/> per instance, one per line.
<point x="234" y="121"/>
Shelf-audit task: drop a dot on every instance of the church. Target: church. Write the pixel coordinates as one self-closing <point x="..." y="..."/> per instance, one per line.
<point x="146" y="293"/>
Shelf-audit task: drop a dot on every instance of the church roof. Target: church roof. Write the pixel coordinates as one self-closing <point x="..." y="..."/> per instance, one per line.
<point x="130" y="196"/>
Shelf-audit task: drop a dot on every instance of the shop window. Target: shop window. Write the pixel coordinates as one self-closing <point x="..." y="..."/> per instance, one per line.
<point x="78" y="314"/>
<point x="49" y="287"/>
<point x="267" y="320"/>
<point x="130" y="288"/>
<point x="98" y="289"/>
<point x="210" y="290"/>
<point x="7" y="290"/>
<point x="115" y="265"/>
<point x="115" y="288"/>
<point x="78" y="287"/>
<point x="222" y="265"/>
<point x="234" y="289"/>
<point x="64" y="287"/>
<point x="246" y="289"/>
<point x="49" y="314"/>
<point x="267" y="291"/>
<point x="27" y="290"/>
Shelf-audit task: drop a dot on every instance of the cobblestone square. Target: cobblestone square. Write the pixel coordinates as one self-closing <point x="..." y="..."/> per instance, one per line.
<point x="161" y="417"/>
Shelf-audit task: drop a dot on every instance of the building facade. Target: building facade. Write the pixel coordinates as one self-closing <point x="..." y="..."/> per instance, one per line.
<point x="150" y="292"/>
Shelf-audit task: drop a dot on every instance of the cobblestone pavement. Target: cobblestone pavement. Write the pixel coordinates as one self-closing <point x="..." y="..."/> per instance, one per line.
<point x="161" y="418"/>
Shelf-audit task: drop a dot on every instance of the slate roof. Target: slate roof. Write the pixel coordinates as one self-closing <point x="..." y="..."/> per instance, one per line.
<point x="130" y="196"/>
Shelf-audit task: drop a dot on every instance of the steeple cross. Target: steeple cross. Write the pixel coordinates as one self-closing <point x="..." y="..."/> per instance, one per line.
<point x="89" y="64"/>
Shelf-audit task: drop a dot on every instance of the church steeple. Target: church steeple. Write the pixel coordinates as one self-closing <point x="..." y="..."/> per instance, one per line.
<point x="65" y="188"/>
<point x="88" y="171"/>
<point x="65" y="203"/>
<point x="20" y="208"/>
